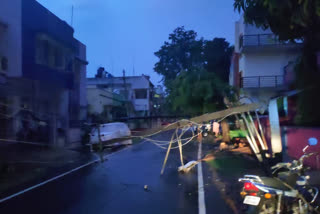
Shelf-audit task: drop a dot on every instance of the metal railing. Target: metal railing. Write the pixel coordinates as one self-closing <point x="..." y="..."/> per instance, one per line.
<point x="260" y="40"/>
<point x="262" y="82"/>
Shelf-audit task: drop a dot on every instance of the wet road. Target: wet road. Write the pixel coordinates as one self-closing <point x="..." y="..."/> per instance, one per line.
<point x="117" y="186"/>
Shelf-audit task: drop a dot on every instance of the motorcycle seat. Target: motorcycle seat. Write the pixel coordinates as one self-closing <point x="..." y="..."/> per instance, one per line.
<point x="274" y="183"/>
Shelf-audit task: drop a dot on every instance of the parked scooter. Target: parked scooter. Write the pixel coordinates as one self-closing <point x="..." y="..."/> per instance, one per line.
<point x="286" y="192"/>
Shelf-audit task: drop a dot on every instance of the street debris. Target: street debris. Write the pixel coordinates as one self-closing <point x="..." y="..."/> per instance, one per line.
<point x="187" y="167"/>
<point x="191" y="164"/>
<point x="223" y="146"/>
<point x="178" y="140"/>
<point x="208" y="157"/>
<point x="184" y="126"/>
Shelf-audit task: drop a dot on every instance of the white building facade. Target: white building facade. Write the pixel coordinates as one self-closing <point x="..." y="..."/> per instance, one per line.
<point x="258" y="69"/>
<point x="137" y="90"/>
<point x="261" y="61"/>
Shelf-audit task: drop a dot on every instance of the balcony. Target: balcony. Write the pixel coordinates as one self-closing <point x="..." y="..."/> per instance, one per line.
<point x="252" y="42"/>
<point x="262" y="82"/>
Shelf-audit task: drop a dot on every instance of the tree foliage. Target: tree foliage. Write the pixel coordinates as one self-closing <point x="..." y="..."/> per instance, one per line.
<point x="195" y="72"/>
<point x="217" y="55"/>
<point x="198" y="91"/>
<point x="292" y="20"/>
<point x="182" y="52"/>
<point x="289" y="19"/>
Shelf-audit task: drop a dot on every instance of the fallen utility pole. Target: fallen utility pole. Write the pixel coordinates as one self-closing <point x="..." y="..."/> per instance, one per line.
<point x="200" y="119"/>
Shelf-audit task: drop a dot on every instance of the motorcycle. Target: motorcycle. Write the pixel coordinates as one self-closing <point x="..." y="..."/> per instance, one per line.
<point x="287" y="191"/>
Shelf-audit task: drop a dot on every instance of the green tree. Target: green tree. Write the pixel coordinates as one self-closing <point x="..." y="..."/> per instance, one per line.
<point x="217" y="55"/>
<point x="182" y="52"/>
<point x="195" y="72"/>
<point x="198" y="91"/>
<point x="293" y="20"/>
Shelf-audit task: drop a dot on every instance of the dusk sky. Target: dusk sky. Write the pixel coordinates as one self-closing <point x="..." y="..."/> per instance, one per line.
<point x="122" y="34"/>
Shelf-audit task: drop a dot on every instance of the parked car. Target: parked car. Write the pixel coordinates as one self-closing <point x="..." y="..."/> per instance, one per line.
<point x="110" y="131"/>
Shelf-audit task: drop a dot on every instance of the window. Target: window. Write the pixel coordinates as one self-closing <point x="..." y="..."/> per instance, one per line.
<point x="42" y="52"/>
<point x="141" y="93"/>
<point x="52" y="54"/>
<point x="39" y="52"/>
<point x="58" y="58"/>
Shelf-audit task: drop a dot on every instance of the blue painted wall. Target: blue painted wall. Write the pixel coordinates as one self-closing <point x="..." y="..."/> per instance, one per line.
<point x="37" y="19"/>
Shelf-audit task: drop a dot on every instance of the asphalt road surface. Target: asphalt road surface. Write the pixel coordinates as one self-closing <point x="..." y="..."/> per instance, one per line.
<point x="117" y="186"/>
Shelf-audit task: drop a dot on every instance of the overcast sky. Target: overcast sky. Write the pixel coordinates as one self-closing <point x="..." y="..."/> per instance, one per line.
<point x="122" y="34"/>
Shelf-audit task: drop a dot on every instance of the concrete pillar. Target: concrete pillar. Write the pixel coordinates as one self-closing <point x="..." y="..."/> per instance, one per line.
<point x="63" y="117"/>
<point x="53" y="131"/>
<point x="60" y="119"/>
<point x="276" y="143"/>
<point x="15" y="102"/>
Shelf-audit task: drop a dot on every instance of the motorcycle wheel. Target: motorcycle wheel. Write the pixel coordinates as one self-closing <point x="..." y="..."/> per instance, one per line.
<point x="264" y="208"/>
<point x="295" y="209"/>
<point x="268" y="208"/>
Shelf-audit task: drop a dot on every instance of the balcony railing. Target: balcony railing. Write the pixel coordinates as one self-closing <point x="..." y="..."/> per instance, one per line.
<point x="262" y="82"/>
<point x="261" y="40"/>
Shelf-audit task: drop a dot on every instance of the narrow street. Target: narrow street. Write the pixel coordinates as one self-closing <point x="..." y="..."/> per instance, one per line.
<point x="117" y="186"/>
<point x="94" y="95"/>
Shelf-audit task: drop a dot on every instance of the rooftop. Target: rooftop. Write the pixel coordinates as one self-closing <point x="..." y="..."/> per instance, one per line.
<point x="93" y="78"/>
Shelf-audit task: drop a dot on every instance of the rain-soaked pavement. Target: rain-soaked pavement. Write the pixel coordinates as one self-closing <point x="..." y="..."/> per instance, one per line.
<point x="117" y="186"/>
